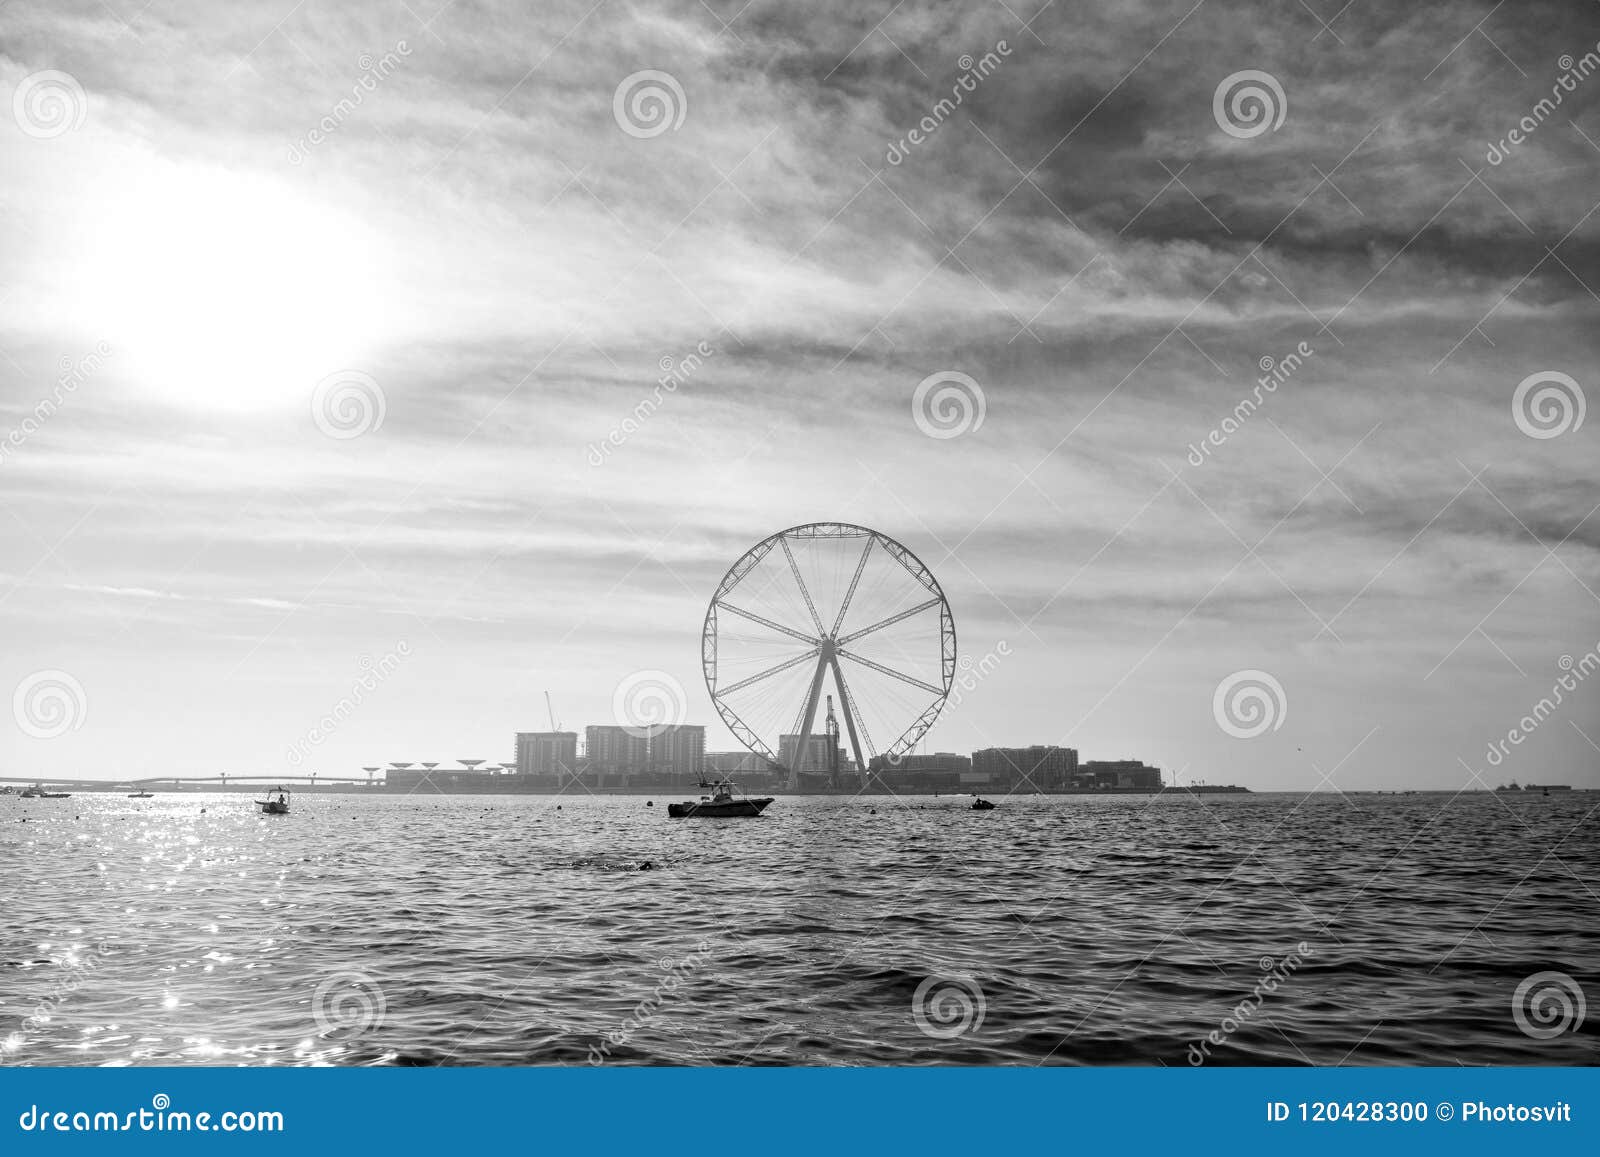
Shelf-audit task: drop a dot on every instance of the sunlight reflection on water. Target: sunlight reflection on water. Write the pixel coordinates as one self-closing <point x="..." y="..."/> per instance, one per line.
<point x="497" y="930"/>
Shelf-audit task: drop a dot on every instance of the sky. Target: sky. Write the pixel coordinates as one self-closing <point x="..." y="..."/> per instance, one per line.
<point x="332" y="342"/>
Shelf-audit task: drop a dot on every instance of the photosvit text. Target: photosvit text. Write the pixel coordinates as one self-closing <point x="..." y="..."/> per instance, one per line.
<point x="1380" y="1112"/>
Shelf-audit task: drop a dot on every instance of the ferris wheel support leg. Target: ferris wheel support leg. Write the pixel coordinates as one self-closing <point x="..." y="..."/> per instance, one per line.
<point x="850" y="719"/>
<point x="805" y="728"/>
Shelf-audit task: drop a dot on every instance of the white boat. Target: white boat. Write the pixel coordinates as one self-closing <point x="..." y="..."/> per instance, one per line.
<point x="276" y="802"/>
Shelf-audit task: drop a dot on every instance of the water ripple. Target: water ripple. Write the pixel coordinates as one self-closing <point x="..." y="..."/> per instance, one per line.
<point x="448" y="931"/>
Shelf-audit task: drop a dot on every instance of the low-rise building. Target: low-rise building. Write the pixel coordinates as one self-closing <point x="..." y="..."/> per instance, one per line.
<point x="940" y="771"/>
<point x="1099" y="774"/>
<point x="1028" y="769"/>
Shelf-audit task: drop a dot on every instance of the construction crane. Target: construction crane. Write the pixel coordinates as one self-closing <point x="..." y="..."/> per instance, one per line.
<point x="550" y="711"/>
<point x="832" y="729"/>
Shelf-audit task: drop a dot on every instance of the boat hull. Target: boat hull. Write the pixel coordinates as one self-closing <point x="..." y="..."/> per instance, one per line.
<point x="729" y="810"/>
<point x="273" y="809"/>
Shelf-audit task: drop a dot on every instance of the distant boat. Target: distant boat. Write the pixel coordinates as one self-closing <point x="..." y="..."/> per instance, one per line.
<point x="276" y="802"/>
<point x="37" y="791"/>
<point x="982" y="805"/>
<point x="140" y="795"/>
<point x="722" y="802"/>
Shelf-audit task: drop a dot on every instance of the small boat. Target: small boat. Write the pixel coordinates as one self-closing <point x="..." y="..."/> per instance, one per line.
<point x="276" y="802"/>
<point x="37" y="791"/>
<point x="721" y="802"/>
<point x="982" y="805"/>
<point x="31" y="793"/>
<point x="140" y="795"/>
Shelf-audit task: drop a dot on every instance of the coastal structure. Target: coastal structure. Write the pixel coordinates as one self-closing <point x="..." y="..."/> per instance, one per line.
<point x="639" y="759"/>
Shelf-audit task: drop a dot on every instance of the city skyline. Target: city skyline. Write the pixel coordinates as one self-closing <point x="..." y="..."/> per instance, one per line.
<point x="1164" y="393"/>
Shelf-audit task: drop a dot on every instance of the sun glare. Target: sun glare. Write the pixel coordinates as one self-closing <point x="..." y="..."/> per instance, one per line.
<point x="224" y="292"/>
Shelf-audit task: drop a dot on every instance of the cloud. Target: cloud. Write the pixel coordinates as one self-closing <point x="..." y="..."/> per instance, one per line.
<point x="1078" y="235"/>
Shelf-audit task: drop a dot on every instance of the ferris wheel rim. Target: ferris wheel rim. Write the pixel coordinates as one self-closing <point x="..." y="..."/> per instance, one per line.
<point x="903" y="554"/>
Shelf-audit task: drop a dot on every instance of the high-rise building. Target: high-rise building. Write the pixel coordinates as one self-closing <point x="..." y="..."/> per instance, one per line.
<point x="547" y="753"/>
<point x="1036" y="768"/>
<point x="679" y="750"/>
<point x="816" y="762"/>
<point x="608" y="747"/>
<point x="673" y="751"/>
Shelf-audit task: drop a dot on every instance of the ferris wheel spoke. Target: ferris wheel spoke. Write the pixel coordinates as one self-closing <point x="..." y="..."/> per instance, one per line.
<point x="855" y="580"/>
<point x="779" y="627"/>
<point x="768" y="664"/>
<point x="890" y="621"/>
<point x="801" y="583"/>
<point x="882" y="670"/>
<point x="746" y="734"/>
<point x="769" y="672"/>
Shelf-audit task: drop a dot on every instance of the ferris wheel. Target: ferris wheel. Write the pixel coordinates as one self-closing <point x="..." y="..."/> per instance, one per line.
<point x="795" y="605"/>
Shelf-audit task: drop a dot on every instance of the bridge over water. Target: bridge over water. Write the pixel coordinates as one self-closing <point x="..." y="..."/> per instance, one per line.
<point x="214" y="782"/>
